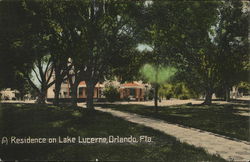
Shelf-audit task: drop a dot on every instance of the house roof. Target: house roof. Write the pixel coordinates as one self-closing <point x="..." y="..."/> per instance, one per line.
<point x="131" y="85"/>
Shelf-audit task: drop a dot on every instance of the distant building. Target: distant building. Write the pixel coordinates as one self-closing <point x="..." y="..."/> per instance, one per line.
<point x="131" y="91"/>
<point x="9" y="94"/>
<point x="81" y="91"/>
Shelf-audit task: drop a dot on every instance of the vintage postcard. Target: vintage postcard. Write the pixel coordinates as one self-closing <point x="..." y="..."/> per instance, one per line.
<point x="124" y="80"/>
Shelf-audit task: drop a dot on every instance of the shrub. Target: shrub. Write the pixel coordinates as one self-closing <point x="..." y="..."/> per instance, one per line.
<point x="169" y="95"/>
<point x="183" y="97"/>
<point x="178" y="90"/>
<point x="151" y="94"/>
<point x="244" y="87"/>
<point x="111" y="93"/>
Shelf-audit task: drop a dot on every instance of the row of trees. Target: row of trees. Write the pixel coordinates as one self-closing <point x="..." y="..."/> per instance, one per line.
<point x="78" y="40"/>
<point x="97" y="39"/>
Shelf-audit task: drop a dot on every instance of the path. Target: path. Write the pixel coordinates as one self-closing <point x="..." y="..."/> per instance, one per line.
<point x="162" y="103"/>
<point x="244" y="111"/>
<point x="212" y="143"/>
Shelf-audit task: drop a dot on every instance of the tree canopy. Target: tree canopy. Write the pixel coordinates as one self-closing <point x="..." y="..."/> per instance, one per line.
<point x="95" y="40"/>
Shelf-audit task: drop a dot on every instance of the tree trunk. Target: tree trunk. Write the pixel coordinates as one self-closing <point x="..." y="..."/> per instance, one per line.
<point x="90" y="94"/>
<point x="57" y="93"/>
<point x="208" y="97"/>
<point x="227" y="95"/>
<point x="156" y="97"/>
<point x="22" y="94"/>
<point x="74" y="94"/>
<point x="42" y="96"/>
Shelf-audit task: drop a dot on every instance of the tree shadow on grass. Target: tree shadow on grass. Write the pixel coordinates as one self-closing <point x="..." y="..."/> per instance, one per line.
<point x="217" y="118"/>
<point x="47" y="121"/>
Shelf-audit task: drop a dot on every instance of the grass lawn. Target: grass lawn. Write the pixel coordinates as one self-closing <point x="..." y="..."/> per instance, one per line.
<point x="23" y="120"/>
<point x="220" y="119"/>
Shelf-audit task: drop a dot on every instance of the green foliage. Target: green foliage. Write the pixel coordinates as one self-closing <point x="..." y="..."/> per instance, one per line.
<point x="207" y="41"/>
<point x="232" y="43"/>
<point x="149" y="94"/>
<point x="180" y="91"/>
<point x="127" y="66"/>
<point x="166" y="91"/>
<point x="24" y="40"/>
<point x="178" y="35"/>
<point x="177" y="90"/>
<point x="111" y="93"/>
<point x="155" y="74"/>
<point x="244" y="87"/>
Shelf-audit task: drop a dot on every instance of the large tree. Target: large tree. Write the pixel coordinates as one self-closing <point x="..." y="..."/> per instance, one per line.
<point x="100" y="31"/>
<point x="59" y="43"/>
<point x="231" y="40"/>
<point x="196" y="55"/>
<point x="8" y="64"/>
<point x="12" y="20"/>
<point x="156" y="23"/>
<point x="177" y="32"/>
<point x="24" y="25"/>
<point x="215" y="40"/>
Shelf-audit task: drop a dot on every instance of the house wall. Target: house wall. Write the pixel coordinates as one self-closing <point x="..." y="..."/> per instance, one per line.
<point x="82" y="92"/>
<point x="126" y="93"/>
<point x="138" y="92"/>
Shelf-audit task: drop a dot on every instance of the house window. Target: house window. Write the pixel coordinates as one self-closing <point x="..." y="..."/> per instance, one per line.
<point x="132" y="92"/>
<point x="80" y="92"/>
